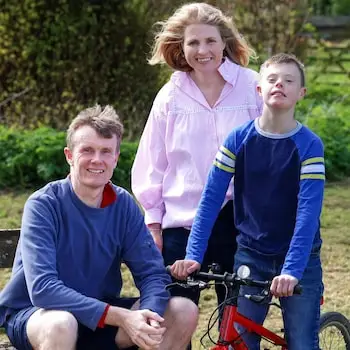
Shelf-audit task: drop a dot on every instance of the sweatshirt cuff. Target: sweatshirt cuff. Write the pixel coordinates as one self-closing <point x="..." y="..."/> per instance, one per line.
<point x="194" y="257"/>
<point x="153" y="216"/>
<point x="101" y="322"/>
<point x="294" y="274"/>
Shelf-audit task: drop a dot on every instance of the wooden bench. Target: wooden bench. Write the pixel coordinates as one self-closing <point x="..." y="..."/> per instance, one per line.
<point x="8" y="244"/>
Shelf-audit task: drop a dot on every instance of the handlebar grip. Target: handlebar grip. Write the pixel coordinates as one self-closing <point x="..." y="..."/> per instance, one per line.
<point x="298" y="289"/>
<point x="168" y="269"/>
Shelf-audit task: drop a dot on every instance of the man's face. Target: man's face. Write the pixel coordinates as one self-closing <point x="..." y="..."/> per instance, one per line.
<point x="92" y="159"/>
<point x="280" y="86"/>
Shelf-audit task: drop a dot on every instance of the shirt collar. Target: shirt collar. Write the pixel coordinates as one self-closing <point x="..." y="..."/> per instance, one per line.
<point x="228" y="70"/>
<point x="109" y="195"/>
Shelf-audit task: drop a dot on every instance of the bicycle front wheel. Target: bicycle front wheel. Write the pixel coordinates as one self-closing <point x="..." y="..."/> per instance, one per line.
<point x="334" y="331"/>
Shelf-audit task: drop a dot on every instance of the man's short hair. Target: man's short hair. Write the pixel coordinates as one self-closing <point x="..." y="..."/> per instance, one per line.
<point x="285" y="58"/>
<point x="105" y="121"/>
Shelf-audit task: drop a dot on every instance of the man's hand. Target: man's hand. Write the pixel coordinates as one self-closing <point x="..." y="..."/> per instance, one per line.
<point x="156" y="233"/>
<point x="182" y="268"/>
<point x="155" y="324"/>
<point x="283" y="285"/>
<point x="143" y="328"/>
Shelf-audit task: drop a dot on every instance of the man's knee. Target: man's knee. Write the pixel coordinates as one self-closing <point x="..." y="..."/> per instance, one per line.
<point x="52" y="327"/>
<point x="182" y="312"/>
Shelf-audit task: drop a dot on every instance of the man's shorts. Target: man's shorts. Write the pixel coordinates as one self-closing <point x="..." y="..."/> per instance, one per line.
<point x="101" y="338"/>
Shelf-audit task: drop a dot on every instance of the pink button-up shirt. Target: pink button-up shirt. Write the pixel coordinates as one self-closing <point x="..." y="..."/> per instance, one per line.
<point x="180" y="141"/>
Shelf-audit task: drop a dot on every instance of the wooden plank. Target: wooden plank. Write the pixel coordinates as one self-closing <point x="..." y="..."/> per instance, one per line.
<point x="329" y="22"/>
<point x="8" y="244"/>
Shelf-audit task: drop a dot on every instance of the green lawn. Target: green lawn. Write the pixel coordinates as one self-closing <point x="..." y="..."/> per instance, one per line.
<point x="335" y="254"/>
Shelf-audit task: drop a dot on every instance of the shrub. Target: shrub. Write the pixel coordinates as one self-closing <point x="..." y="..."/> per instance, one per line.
<point x="65" y="55"/>
<point x="332" y="124"/>
<point x="321" y="95"/>
<point x="33" y="158"/>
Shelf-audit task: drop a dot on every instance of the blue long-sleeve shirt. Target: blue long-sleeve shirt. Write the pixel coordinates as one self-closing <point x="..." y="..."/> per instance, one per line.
<point x="278" y="194"/>
<point x="69" y="256"/>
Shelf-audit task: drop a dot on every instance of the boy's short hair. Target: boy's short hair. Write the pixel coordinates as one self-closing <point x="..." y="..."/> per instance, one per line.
<point x="105" y="121"/>
<point x="285" y="58"/>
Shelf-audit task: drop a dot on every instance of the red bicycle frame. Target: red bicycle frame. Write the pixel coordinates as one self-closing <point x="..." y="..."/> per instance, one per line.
<point x="230" y="337"/>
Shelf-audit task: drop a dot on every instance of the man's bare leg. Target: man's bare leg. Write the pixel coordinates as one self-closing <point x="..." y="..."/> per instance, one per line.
<point x="52" y="330"/>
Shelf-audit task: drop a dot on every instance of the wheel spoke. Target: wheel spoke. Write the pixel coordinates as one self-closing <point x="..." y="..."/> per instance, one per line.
<point x="334" y="332"/>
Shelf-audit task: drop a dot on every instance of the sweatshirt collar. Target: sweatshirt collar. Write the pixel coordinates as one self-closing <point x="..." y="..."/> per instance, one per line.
<point x="109" y="195"/>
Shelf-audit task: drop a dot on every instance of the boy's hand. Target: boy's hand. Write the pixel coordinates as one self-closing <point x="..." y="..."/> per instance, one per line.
<point x="182" y="268"/>
<point x="283" y="286"/>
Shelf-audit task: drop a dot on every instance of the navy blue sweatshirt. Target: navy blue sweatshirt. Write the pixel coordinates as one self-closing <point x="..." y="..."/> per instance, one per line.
<point x="278" y="193"/>
<point x="69" y="256"/>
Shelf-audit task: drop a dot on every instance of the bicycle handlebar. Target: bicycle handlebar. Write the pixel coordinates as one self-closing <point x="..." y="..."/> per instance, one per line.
<point x="233" y="278"/>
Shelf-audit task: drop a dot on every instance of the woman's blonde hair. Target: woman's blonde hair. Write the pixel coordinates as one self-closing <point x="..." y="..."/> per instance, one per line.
<point x="169" y="39"/>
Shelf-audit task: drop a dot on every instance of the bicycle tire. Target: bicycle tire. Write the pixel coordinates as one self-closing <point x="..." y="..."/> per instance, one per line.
<point x="337" y="325"/>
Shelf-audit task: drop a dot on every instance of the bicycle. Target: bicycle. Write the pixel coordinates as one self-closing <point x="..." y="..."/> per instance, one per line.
<point x="334" y="327"/>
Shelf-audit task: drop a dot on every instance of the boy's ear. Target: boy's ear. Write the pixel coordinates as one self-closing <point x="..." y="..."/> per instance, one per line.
<point x="302" y="92"/>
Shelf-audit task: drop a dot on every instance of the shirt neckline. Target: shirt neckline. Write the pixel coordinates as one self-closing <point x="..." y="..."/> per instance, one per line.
<point x="271" y="135"/>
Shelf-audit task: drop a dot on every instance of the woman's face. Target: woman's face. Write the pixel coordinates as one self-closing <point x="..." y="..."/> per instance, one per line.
<point x="203" y="47"/>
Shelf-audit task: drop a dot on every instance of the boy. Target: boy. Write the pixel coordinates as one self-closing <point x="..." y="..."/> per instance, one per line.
<point x="278" y="169"/>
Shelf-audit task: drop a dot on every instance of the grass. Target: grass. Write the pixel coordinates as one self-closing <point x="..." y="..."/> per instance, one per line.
<point x="335" y="255"/>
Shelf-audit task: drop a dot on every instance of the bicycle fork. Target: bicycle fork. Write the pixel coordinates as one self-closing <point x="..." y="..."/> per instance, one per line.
<point x="228" y="333"/>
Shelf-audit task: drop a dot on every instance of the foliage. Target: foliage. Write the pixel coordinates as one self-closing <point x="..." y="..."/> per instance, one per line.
<point x="31" y="158"/>
<point x="333" y="126"/>
<point x="325" y="109"/>
<point x="74" y="54"/>
<point x="325" y="96"/>
<point x="273" y="27"/>
<point x="331" y="7"/>
<point x="59" y="56"/>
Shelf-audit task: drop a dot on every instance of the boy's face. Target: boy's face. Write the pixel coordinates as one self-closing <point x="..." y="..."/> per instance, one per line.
<point x="280" y="86"/>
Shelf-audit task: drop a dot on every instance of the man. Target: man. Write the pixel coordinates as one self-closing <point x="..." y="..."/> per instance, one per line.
<point x="64" y="292"/>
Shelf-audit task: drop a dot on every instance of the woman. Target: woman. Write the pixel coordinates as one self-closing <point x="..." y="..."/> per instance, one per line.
<point x="210" y="93"/>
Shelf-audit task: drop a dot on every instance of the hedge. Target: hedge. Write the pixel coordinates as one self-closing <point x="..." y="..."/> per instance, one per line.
<point x="31" y="158"/>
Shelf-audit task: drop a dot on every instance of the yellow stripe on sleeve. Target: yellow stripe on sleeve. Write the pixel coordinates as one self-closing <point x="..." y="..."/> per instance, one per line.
<point x="313" y="177"/>
<point x="227" y="152"/>
<point x="224" y="167"/>
<point x="313" y="160"/>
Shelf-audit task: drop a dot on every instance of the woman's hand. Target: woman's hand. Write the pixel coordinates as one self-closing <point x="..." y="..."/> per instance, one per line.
<point x="182" y="268"/>
<point x="156" y="232"/>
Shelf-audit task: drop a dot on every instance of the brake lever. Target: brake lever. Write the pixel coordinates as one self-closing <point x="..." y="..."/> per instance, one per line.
<point x="200" y="284"/>
<point x="259" y="299"/>
<point x="189" y="284"/>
